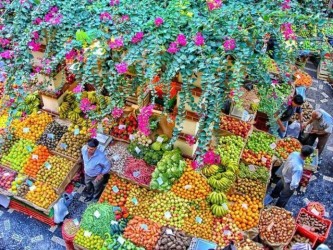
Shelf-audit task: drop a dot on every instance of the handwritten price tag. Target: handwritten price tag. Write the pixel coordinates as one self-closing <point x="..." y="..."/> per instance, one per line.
<point x="131" y="137"/>
<point x="198" y="219"/>
<point x="32" y="188"/>
<point x="26" y="130"/>
<point x="97" y="214"/>
<point x="50" y="136"/>
<point x="144" y="227"/>
<point x="121" y="126"/>
<point x="245" y="206"/>
<point x="227" y="232"/>
<point x="29" y="148"/>
<point x="116" y="157"/>
<point x="29" y="183"/>
<point x="47" y="165"/>
<point x="252" y="168"/>
<point x="263" y="160"/>
<point x="63" y="146"/>
<point x="167" y="215"/>
<point x="87" y="234"/>
<point x="169" y="232"/>
<point x="187" y="187"/>
<point x="137" y="150"/>
<point x="135" y="201"/>
<point x="159" y="180"/>
<point x="113" y="222"/>
<point x="136" y="174"/>
<point x="225" y="206"/>
<point x="76" y="222"/>
<point x="115" y="189"/>
<point x="34" y="157"/>
<point x="272" y="146"/>
<point x="160" y="139"/>
<point x="121" y="240"/>
<point x="76" y="131"/>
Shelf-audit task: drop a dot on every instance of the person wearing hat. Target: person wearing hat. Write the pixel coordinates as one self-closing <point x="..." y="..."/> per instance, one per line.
<point x="291" y="172"/>
<point x="96" y="166"/>
<point x="288" y="112"/>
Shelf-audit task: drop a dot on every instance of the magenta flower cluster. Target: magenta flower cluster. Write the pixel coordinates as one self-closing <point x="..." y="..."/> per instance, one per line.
<point x="116" y="43"/>
<point x="117" y="112"/>
<point x="211" y="158"/>
<point x="229" y="44"/>
<point x="214" y="4"/>
<point x="71" y="54"/>
<point x="34" y="46"/>
<point x="121" y="68"/>
<point x="285" y="5"/>
<point x="137" y="37"/>
<point x="7" y="54"/>
<point x="190" y="140"/>
<point x="78" y="89"/>
<point x="143" y="119"/>
<point x="85" y="105"/>
<point x="4" y="42"/>
<point x="114" y="2"/>
<point x="53" y="17"/>
<point x="158" y="21"/>
<point x="105" y="16"/>
<point x="287" y="31"/>
<point x="174" y="46"/>
<point x="199" y="40"/>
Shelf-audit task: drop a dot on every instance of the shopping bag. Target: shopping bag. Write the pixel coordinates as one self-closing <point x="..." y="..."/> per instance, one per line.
<point x="61" y="207"/>
<point x="294" y="129"/>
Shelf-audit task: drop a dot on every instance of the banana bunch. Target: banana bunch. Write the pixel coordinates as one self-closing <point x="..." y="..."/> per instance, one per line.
<point x="70" y="98"/>
<point x="30" y="105"/>
<point x="229" y="175"/>
<point x="219" y="182"/>
<point x="118" y="228"/>
<point x="220" y="210"/>
<point x="210" y="170"/>
<point x="233" y="168"/>
<point x="217" y="198"/>
<point x="92" y="97"/>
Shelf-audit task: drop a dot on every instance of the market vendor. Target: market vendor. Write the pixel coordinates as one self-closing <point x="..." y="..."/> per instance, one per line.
<point x="288" y="112"/>
<point x="291" y="172"/>
<point x="319" y="126"/>
<point x="96" y="166"/>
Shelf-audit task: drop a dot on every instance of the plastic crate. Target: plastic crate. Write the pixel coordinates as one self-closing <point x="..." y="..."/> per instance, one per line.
<point x="31" y="212"/>
<point x="304" y="229"/>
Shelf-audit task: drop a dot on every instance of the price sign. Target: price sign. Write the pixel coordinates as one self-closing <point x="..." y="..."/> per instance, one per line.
<point x="116" y="209"/>
<point x="97" y="214"/>
<point x="137" y="150"/>
<point x="63" y="146"/>
<point x="47" y="165"/>
<point x="169" y="232"/>
<point x="29" y="148"/>
<point x="144" y="227"/>
<point x="167" y="215"/>
<point x="272" y="146"/>
<point x="160" y="139"/>
<point x="29" y="183"/>
<point x="121" y="126"/>
<point x="115" y="189"/>
<point x="264" y="160"/>
<point x="34" y="157"/>
<point x="76" y="222"/>
<point x="225" y="206"/>
<point x="76" y="131"/>
<point x="131" y="137"/>
<point x="135" y="201"/>
<point x="87" y="234"/>
<point x="314" y="211"/>
<point x="245" y="206"/>
<point x="227" y="232"/>
<point x="298" y="76"/>
<point x="6" y="174"/>
<point x="136" y="174"/>
<point x="116" y="157"/>
<point x="198" y="219"/>
<point x="121" y="240"/>
<point x="159" y="180"/>
<point x="50" y="136"/>
<point x="32" y="188"/>
<point x="114" y="222"/>
<point x="26" y="130"/>
<point x="252" y="168"/>
<point x="187" y="187"/>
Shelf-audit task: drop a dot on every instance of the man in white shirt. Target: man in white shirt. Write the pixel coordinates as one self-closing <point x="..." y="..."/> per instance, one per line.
<point x="319" y="126"/>
<point x="291" y="171"/>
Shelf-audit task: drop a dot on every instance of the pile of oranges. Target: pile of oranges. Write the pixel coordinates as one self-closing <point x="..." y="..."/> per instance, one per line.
<point x="32" y="127"/>
<point x="41" y="194"/>
<point x="36" y="161"/>
<point x="191" y="185"/>
<point x="286" y="146"/>
<point x="245" y="211"/>
<point x="200" y="220"/>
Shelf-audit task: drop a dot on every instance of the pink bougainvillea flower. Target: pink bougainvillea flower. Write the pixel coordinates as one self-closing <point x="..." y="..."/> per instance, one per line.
<point x="37" y="21"/>
<point x="85" y="105"/>
<point x="78" y="89"/>
<point x="53" y="16"/>
<point x="116" y="43"/>
<point x="137" y="37"/>
<point x="181" y="40"/>
<point x="34" y="46"/>
<point x="173" y="49"/>
<point x="229" y="44"/>
<point x="105" y="16"/>
<point x="190" y="140"/>
<point x="71" y="54"/>
<point x="114" y="2"/>
<point x="158" y="21"/>
<point x="195" y="165"/>
<point x="37" y="69"/>
<point x="124" y="18"/>
<point x="143" y="119"/>
<point x="214" y="4"/>
<point x="287" y="31"/>
<point x="7" y="54"/>
<point x="199" y="40"/>
<point x="211" y="158"/>
<point x="121" y="68"/>
<point x="4" y="42"/>
<point x="35" y="35"/>
<point x="117" y="112"/>
<point x="275" y="82"/>
<point x="285" y="5"/>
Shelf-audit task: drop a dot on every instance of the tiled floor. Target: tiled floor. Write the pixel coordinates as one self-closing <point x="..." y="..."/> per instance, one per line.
<point x="18" y="232"/>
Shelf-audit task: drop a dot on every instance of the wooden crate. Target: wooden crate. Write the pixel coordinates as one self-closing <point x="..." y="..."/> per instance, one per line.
<point x="322" y="72"/>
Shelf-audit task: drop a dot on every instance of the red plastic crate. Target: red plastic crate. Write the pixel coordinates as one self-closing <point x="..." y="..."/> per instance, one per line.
<point x="321" y="238"/>
<point x="309" y="207"/>
<point x="31" y="212"/>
